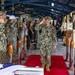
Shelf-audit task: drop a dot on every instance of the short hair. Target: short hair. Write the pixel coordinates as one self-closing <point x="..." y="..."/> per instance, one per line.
<point x="48" y="18"/>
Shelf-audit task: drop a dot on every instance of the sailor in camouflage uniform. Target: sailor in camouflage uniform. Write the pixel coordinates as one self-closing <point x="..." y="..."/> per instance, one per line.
<point x="3" y="43"/>
<point x="11" y="30"/>
<point x="36" y="31"/>
<point x="47" y="41"/>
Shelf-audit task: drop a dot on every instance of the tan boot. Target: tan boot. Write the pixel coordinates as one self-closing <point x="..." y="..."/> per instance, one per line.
<point x="47" y="68"/>
<point x="43" y="65"/>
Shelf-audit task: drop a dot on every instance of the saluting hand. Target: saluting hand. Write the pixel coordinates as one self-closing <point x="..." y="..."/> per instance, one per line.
<point x="54" y="47"/>
<point x="42" y="21"/>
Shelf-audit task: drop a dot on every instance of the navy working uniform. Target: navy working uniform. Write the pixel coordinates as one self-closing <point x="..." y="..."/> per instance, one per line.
<point x="47" y="40"/>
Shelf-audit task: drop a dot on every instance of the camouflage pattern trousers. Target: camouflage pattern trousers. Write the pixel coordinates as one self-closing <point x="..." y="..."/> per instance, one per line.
<point x="45" y="52"/>
<point x="4" y="57"/>
<point x="13" y="39"/>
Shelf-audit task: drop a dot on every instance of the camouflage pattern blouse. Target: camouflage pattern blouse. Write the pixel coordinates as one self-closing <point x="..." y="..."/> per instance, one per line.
<point x="11" y="31"/>
<point x="48" y="35"/>
<point x="2" y="37"/>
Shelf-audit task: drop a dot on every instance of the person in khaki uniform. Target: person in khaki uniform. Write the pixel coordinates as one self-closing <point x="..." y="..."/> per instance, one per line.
<point x="47" y="41"/>
<point x="21" y="34"/>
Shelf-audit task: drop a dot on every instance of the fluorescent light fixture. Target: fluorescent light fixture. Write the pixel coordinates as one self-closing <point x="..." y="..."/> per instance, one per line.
<point x="52" y="10"/>
<point x="52" y="4"/>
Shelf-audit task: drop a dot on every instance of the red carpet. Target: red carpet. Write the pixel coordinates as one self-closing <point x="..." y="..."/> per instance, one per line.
<point x="58" y="66"/>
